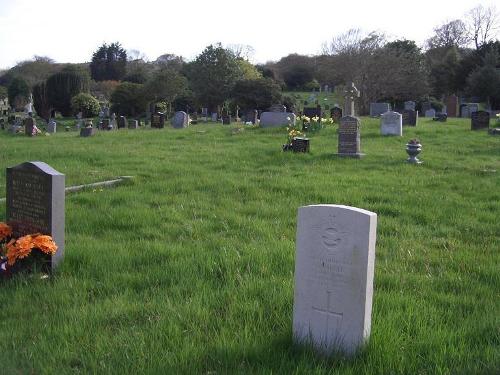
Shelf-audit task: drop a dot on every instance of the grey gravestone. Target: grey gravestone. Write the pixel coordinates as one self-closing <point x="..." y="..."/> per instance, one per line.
<point x="276" y="119"/>
<point x="410" y="118"/>
<point x="376" y="109"/>
<point x="133" y="124"/>
<point x="277" y="108"/>
<point x="122" y="122"/>
<point x="35" y="203"/>
<point x="52" y="126"/>
<point x="336" y="114"/>
<point x="480" y="120"/>
<point x="29" y="124"/>
<point x="204" y="114"/>
<point x="430" y="113"/>
<point x="158" y="120"/>
<point x="214" y="117"/>
<point x="180" y="120"/>
<point x="410" y="105"/>
<point x="334" y="272"/>
<point x="252" y="116"/>
<point x="349" y="137"/>
<point x="391" y="123"/>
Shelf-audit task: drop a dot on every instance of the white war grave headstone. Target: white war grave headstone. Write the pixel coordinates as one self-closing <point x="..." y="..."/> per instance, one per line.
<point x="334" y="271"/>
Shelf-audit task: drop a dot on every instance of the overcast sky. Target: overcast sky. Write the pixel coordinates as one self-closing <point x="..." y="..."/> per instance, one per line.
<point x="70" y="30"/>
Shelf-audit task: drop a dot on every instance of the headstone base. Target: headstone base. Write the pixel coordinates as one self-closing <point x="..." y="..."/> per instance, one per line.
<point x="356" y="155"/>
<point x="87" y="132"/>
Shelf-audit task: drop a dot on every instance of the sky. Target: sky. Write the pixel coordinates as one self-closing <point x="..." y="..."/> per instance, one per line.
<point x="71" y="30"/>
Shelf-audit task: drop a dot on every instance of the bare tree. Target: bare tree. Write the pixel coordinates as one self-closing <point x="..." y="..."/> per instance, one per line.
<point x="134" y="54"/>
<point x="243" y="51"/>
<point x="451" y="33"/>
<point x="483" y="24"/>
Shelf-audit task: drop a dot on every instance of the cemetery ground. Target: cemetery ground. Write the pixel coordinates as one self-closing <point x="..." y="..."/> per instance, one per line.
<point x="188" y="268"/>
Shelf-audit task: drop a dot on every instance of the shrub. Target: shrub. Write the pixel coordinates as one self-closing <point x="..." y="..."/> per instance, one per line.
<point x="128" y="99"/>
<point x="18" y="92"/>
<point x="61" y="87"/>
<point x="86" y="103"/>
<point x="41" y="100"/>
<point x="256" y="93"/>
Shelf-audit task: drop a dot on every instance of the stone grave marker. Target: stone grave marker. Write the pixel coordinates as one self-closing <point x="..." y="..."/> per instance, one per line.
<point x="204" y="114"/>
<point x="105" y="124"/>
<point x="277" y="119"/>
<point x="35" y="204"/>
<point x="410" y="105"/>
<point x="252" y="116"/>
<point x="410" y="118"/>
<point x="158" y="120"/>
<point x="336" y="114"/>
<point x="180" y="120"/>
<point x="430" y="113"/>
<point x="349" y="144"/>
<point x="312" y="112"/>
<point x="334" y="272"/>
<point x="350" y="94"/>
<point x="133" y="124"/>
<point x="29" y="124"/>
<point x="479" y="120"/>
<point x="391" y="123"/>
<point x="425" y="107"/>
<point x="214" y="117"/>
<point x="300" y="144"/>
<point x="376" y="109"/>
<point x="226" y="120"/>
<point x="452" y="106"/>
<point x="52" y="126"/>
<point x="122" y="122"/>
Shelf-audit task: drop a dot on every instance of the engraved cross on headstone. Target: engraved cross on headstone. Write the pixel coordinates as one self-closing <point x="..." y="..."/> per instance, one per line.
<point x="350" y="93"/>
<point x="331" y="315"/>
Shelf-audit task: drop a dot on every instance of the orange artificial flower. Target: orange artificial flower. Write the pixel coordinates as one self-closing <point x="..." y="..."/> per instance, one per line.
<point x="19" y="249"/>
<point x="45" y="244"/>
<point x="5" y="231"/>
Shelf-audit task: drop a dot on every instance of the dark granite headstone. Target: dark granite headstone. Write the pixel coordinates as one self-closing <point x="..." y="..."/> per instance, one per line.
<point x="158" y="120"/>
<point x="300" y="144"/>
<point x="133" y="124"/>
<point x="122" y="122"/>
<point x="35" y="203"/>
<point x="410" y="118"/>
<point x="452" y="106"/>
<point x="252" y="116"/>
<point x="29" y="124"/>
<point x="105" y="124"/>
<point x="336" y="114"/>
<point x="226" y="120"/>
<point x="87" y="132"/>
<point x="349" y="137"/>
<point x="479" y="120"/>
<point x="440" y="117"/>
<point x="312" y="112"/>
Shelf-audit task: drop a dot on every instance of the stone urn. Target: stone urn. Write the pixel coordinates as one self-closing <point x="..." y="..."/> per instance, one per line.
<point x="413" y="148"/>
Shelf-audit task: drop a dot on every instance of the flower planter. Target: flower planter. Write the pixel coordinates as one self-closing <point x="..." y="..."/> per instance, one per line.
<point x="413" y="149"/>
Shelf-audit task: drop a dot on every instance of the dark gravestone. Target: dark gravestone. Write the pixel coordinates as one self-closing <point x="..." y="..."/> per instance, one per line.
<point x="35" y="203"/>
<point x="336" y="114"/>
<point x="122" y="122"/>
<point x="158" y="120"/>
<point x="133" y="124"/>
<point x="452" y="105"/>
<point x="300" y="144"/>
<point x="426" y="106"/>
<point x="410" y="118"/>
<point x="87" y="132"/>
<point x="226" y="120"/>
<point x="479" y="120"/>
<point x="29" y="124"/>
<point x="105" y="124"/>
<point x="349" y="137"/>
<point x="440" y="117"/>
<point x="252" y="116"/>
<point x="2" y="123"/>
<point x="312" y="112"/>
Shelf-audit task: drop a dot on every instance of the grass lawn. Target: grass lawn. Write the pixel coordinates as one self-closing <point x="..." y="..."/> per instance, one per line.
<point x="189" y="267"/>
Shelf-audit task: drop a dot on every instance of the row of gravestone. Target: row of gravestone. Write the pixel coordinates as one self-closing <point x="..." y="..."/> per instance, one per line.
<point x="334" y="267"/>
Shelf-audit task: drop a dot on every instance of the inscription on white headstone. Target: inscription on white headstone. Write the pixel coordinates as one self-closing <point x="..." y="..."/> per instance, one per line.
<point x="334" y="272"/>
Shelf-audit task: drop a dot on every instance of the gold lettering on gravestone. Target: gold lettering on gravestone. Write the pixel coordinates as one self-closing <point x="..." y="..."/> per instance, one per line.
<point x="28" y="202"/>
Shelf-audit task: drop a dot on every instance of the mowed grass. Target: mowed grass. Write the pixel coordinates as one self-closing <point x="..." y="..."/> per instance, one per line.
<point x="189" y="267"/>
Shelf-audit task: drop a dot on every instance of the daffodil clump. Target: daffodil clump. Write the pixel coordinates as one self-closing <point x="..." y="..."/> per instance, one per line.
<point x="314" y="124"/>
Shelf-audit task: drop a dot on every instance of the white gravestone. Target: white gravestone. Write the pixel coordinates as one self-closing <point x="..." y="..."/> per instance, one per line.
<point x="334" y="270"/>
<point x="391" y="123"/>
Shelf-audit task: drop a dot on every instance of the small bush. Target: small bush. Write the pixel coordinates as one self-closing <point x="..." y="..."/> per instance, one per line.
<point x="86" y="103"/>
